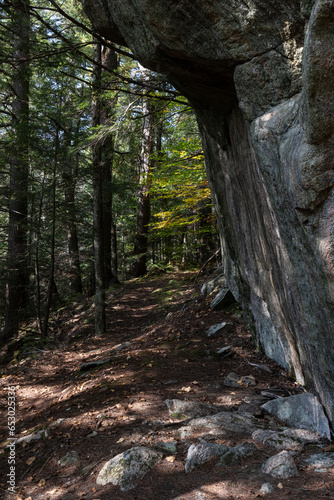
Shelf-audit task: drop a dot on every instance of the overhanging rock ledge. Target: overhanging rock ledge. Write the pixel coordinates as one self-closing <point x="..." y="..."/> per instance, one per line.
<point x="260" y="77"/>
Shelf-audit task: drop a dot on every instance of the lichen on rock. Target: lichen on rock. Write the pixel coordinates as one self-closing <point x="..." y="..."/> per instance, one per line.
<point x="127" y="467"/>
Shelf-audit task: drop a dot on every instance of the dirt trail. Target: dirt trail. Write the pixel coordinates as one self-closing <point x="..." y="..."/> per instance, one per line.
<point x="120" y="404"/>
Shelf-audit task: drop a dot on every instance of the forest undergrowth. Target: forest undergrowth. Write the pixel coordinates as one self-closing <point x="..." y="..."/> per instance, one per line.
<point x="156" y="348"/>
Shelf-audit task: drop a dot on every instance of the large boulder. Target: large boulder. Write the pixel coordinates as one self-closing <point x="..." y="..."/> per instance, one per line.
<point x="260" y="77"/>
<point x="221" y="424"/>
<point x="126" y="468"/>
<point x="302" y="410"/>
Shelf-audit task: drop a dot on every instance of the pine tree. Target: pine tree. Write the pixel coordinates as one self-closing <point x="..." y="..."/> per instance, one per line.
<point x="17" y="278"/>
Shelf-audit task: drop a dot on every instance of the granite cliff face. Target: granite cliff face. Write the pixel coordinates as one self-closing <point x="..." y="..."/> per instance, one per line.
<point x="260" y="75"/>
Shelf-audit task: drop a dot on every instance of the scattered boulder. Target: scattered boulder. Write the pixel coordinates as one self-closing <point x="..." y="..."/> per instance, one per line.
<point x="217" y="330"/>
<point x="252" y="405"/>
<point x="124" y="469"/>
<point x="40" y="434"/>
<point x="288" y="439"/>
<point x="301" y="410"/>
<point x="190" y="409"/>
<point x="267" y="488"/>
<point x="225" y="351"/>
<point x="323" y="460"/>
<point x="92" y="434"/>
<point x="69" y="459"/>
<point x="235" y="380"/>
<point x="169" y="448"/>
<point x="281" y="465"/>
<point x="210" y="285"/>
<point x="265" y="368"/>
<point x="220" y="424"/>
<point x="223" y="299"/>
<point x="34" y="436"/>
<point x="200" y="453"/>
<point x="237" y="452"/>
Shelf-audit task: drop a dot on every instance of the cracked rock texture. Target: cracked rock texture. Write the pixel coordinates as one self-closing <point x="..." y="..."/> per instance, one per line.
<point x="260" y="76"/>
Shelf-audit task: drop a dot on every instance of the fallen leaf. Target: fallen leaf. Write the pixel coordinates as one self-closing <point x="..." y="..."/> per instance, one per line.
<point x="42" y="482"/>
<point x="30" y="460"/>
<point x="120" y="440"/>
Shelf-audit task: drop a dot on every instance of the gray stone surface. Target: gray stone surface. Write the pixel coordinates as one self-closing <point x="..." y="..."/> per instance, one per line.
<point x="280" y="466"/>
<point x="234" y="454"/>
<point x="223" y="299"/>
<point x="167" y="447"/>
<point x="225" y="351"/>
<point x="190" y="409"/>
<point x="210" y="285"/>
<point x="221" y="423"/>
<point x="321" y="460"/>
<point x="200" y="453"/>
<point x="69" y="459"/>
<point x="124" y="469"/>
<point x="301" y="410"/>
<point x="269" y="79"/>
<point x="267" y="488"/>
<point x="216" y="330"/>
<point x="235" y="380"/>
<point x="288" y="439"/>
<point x="34" y="436"/>
<point x="268" y="138"/>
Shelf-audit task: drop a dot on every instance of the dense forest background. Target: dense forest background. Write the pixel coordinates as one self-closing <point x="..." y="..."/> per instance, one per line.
<point x="102" y="173"/>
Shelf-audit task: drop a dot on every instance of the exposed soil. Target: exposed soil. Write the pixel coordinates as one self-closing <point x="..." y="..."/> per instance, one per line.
<point x="122" y="402"/>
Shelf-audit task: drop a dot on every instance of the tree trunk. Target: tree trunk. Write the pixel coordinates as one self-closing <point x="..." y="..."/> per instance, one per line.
<point x="100" y="321"/>
<point x="37" y="266"/>
<point x="109" y="59"/>
<point x="17" y="272"/>
<point x="144" y="204"/>
<point x="69" y="174"/>
<point x="51" y="283"/>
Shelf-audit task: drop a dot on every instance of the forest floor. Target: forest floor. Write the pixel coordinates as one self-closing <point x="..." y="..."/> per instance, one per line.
<point x="121" y="404"/>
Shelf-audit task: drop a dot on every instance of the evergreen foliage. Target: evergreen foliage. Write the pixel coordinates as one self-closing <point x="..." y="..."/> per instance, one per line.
<point x="60" y="139"/>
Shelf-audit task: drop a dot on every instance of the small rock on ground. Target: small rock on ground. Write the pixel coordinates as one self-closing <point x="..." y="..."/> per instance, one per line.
<point x="125" y="468"/>
<point x="281" y="465"/>
<point x="190" y="409"/>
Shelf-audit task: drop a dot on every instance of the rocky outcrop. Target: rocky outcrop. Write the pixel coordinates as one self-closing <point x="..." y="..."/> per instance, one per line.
<point x="260" y="77"/>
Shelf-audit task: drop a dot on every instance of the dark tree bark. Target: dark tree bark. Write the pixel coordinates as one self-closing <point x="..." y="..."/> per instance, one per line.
<point x="51" y="284"/>
<point x="17" y="274"/>
<point x="37" y="238"/>
<point x="69" y="174"/>
<point x="144" y="203"/>
<point x="100" y="320"/>
<point x="110" y="61"/>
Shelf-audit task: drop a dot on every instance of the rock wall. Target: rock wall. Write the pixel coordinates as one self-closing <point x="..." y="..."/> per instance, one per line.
<point x="260" y="75"/>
